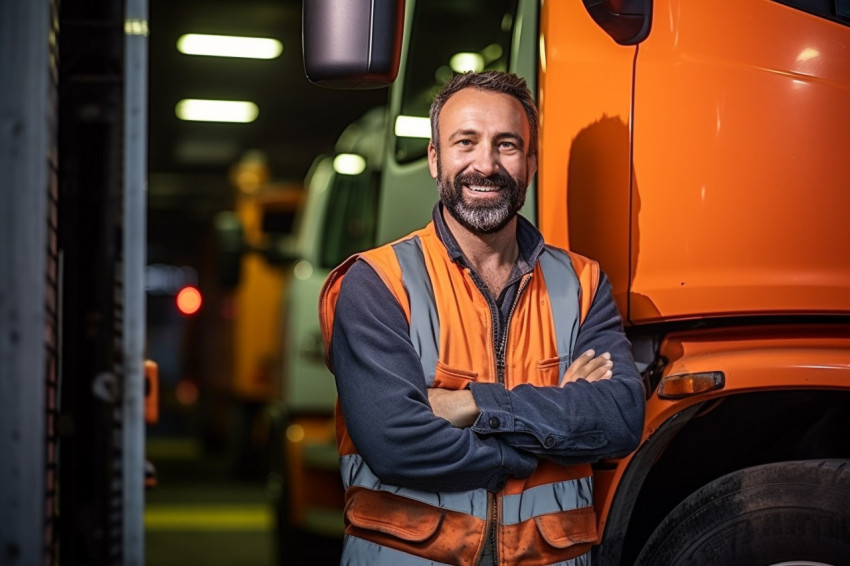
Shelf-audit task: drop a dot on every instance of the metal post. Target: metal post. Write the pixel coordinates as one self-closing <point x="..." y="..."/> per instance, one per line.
<point x="24" y="142"/>
<point x="135" y="237"/>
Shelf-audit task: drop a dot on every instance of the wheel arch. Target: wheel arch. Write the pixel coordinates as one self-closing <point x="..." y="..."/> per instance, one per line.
<point x="710" y="438"/>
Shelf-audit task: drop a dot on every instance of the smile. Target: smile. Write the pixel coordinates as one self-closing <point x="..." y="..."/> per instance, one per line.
<point x="484" y="189"/>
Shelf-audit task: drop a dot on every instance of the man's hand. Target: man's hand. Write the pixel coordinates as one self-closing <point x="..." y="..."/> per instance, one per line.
<point x="457" y="407"/>
<point x="589" y="367"/>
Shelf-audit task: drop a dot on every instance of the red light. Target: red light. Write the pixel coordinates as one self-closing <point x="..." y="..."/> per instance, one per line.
<point x="189" y="300"/>
<point x="187" y="392"/>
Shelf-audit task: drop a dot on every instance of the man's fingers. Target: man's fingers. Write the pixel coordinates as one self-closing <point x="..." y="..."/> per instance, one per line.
<point x="590" y="367"/>
<point x="602" y="372"/>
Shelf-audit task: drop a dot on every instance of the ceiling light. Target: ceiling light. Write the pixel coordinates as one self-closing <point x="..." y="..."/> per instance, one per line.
<point x="413" y="127"/>
<point x="349" y="164"/>
<point x="229" y="46"/>
<point x="463" y="62"/>
<point x="216" y="110"/>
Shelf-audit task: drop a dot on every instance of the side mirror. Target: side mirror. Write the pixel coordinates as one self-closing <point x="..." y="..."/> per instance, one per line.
<point x="354" y="44"/>
<point x="628" y="22"/>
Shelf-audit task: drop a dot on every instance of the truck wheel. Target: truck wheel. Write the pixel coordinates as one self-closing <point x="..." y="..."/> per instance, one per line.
<point x="788" y="512"/>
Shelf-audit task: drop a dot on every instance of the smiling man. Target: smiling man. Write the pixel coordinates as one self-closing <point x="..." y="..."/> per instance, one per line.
<point x="480" y="371"/>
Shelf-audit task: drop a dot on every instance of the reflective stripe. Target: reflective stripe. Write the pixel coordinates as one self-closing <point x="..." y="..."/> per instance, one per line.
<point x="359" y="552"/>
<point x="424" y="323"/>
<point x="355" y="472"/>
<point x="564" y="290"/>
<point x="547" y="498"/>
<point x="583" y="560"/>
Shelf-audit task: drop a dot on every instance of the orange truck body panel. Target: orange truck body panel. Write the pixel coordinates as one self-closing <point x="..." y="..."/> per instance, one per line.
<point x="705" y="169"/>
<point x="721" y="190"/>
<point x="753" y="359"/>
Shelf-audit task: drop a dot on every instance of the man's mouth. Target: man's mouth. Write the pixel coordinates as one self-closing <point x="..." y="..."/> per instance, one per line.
<point x="483" y="188"/>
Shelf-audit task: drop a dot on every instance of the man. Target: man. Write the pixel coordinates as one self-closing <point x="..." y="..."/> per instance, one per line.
<point x="471" y="398"/>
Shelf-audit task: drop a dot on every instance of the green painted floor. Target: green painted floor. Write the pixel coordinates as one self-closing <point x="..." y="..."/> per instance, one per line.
<point x="201" y="514"/>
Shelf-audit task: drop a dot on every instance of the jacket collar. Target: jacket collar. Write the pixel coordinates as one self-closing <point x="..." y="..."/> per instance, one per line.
<point x="528" y="237"/>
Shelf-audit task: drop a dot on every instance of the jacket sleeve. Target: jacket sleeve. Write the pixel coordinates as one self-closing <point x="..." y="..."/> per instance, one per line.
<point x="382" y="393"/>
<point x="581" y="421"/>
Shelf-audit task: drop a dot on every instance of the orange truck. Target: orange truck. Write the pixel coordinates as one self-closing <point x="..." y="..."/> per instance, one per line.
<point x="697" y="150"/>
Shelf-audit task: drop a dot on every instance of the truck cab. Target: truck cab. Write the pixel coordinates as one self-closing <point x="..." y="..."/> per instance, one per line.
<point x="696" y="151"/>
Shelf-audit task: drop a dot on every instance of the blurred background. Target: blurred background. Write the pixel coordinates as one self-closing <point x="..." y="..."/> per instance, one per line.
<point x="259" y="184"/>
<point x="224" y="200"/>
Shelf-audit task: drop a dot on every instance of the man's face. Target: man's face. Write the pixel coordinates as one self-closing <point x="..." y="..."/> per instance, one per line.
<point x="482" y="166"/>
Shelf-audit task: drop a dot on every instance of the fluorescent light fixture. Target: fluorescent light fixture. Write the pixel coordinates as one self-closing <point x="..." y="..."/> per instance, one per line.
<point x="463" y="62"/>
<point x="136" y="26"/>
<point x="229" y="46"/>
<point x="413" y="127"/>
<point x="349" y="164"/>
<point x="198" y="110"/>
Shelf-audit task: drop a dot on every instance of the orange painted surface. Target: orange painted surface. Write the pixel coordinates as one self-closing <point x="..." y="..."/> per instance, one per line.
<point x="151" y="392"/>
<point x="585" y="98"/>
<point x="310" y="488"/>
<point x="742" y="127"/>
<point x="753" y="359"/>
<point x="734" y="199"/>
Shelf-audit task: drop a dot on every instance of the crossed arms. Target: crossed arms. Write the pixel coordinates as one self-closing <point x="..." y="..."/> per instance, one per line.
<point x="407" y="434"/>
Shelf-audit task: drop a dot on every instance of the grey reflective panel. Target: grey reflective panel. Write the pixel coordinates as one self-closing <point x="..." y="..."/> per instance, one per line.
<point x="424" y="323"/>
<point x="355" y="472"/>
<point x="359" y="552"/>
<point x="564" y="295"/>
<point x="583" y="560"/>
<point x="548" y="498"/>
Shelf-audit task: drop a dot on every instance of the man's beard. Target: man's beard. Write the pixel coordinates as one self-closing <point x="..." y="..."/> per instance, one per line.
<point x="487" y="217"/>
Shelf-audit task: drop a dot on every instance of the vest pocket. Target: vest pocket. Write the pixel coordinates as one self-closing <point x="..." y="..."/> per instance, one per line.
<point x="549" y="370"/>
<point x="446" y="377"/>
<point x="568" y="528"/>
<point x="391" y="514"/>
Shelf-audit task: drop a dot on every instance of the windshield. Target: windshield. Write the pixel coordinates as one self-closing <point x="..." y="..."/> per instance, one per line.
<point x="448" y="37"/>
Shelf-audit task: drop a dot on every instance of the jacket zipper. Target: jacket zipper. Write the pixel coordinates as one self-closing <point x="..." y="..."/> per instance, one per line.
<point x="500" y="350"/>
<point x="492" y="498"/>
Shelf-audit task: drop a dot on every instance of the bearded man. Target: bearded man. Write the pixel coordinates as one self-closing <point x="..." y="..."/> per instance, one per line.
<point x="479" y="370"/>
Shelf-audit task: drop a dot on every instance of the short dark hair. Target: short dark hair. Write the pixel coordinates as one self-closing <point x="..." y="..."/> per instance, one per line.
<point x="495" y="81"/>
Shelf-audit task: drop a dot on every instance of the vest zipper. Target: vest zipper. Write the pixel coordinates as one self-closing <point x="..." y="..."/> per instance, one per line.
<point x="500" y="372"/>
<point x="493" y="499"/>
<point x="494" y="530"/>
<point x="500" y="349"/>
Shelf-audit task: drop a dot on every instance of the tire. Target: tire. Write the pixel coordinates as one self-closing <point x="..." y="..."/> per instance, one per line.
<point x="788" y="512"/>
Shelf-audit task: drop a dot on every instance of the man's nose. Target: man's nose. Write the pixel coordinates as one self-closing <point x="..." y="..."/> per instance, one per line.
<point x="486" y="160"/>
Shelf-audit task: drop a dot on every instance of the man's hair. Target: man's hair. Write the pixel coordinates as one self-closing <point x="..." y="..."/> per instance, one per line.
<point x="494" y="81"/>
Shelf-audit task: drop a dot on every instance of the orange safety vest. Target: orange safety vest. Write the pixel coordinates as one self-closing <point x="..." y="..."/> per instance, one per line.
<point x="545" y="519"/>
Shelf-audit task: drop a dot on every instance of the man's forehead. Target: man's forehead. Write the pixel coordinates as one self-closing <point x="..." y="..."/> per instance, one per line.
<point x="471" y="104"/>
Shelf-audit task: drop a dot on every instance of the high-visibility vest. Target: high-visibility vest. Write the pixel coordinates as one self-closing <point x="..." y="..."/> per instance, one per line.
<point x="545" y="519"/>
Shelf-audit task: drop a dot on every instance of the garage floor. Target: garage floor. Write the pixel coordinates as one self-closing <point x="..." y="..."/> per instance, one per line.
<point x="201" y="514"/>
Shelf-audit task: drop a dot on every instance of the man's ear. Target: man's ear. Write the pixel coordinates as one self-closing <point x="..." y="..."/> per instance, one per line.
<point x="433" y="157"/>
<point x="531" y="163"/>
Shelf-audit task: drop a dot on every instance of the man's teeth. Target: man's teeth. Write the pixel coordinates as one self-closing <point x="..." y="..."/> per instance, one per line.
<point x="480" y="189"/>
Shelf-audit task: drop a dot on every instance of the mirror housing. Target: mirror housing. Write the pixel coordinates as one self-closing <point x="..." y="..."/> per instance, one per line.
<point x="352" y="44"/>
<point x="628" y="22"/>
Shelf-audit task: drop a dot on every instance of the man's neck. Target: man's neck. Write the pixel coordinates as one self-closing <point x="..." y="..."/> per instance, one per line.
<point x="491" y="255"/>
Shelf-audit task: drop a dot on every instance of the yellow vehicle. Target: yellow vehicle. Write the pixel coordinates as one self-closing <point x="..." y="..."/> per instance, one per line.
<point x="337" y="218"/>
<point x="253" y="262"/>
<point x="696" y="149"/>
